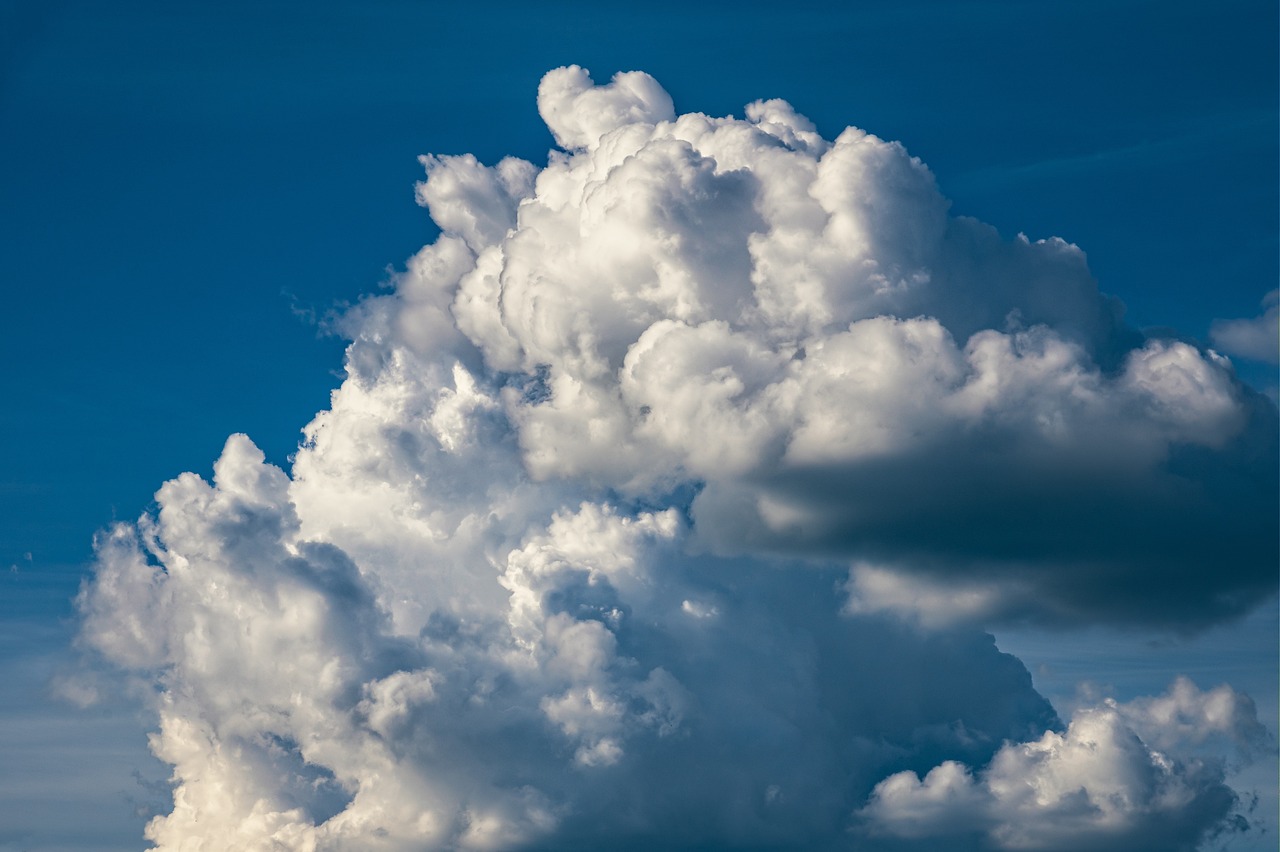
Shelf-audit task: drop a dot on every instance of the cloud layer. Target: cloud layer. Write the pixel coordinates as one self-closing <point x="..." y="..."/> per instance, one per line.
<point x="567" y="561"/>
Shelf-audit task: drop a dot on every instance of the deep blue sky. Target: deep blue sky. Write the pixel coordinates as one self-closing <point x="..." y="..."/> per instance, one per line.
<point x="183" y="184"/>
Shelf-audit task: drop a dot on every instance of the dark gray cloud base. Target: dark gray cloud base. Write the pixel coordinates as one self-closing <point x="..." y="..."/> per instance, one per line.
<point x="661" y="506"/>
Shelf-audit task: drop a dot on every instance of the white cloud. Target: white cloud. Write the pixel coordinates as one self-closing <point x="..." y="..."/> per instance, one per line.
<point x="1101" y="784"/>
<point x="1186" y="716"/>
<point x="741" y="304"/>
<point x="538" y="694"/>
<point x="1256" y="338"/>
<point x="580" y="113"/>
<point x="565" y="558"/>
<point x="874" y="589"/>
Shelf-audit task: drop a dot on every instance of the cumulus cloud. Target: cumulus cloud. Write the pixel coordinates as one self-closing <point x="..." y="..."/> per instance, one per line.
<point x="1101" y="784"/>
<point x="617" y="676"/>
<point x="566" y="563"/>
<point x="1256" y="338"/>
<point x="798" y="328"/>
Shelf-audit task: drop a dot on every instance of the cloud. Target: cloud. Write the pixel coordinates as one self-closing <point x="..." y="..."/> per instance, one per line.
<point x="567" y="560"/>
<point x="1186" y="716"/>
<point x="797" y="328"/>
<point x="580" y="113"/>
<point x="616" y="675"/>
<point x="1101" y="784"/>
<point x="1257" y="338"/>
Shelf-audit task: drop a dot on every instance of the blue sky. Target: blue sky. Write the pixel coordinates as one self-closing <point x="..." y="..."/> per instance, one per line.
<point x="186" y="188"/>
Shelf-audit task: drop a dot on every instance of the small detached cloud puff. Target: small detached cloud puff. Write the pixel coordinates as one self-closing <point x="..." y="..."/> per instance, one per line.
<point x="661" y="505"/>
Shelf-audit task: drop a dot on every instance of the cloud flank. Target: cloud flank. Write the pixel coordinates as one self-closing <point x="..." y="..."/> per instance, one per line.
<point x="662" y="506"/>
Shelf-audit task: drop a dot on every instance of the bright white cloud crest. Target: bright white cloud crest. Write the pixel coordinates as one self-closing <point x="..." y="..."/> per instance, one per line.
<point x="566" y="559"/>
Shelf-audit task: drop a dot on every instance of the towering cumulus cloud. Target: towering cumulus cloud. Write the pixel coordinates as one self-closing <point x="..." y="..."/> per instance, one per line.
<point x="662" y="505"/>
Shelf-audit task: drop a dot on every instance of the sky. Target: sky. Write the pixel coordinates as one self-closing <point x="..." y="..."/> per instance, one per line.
<point x="675" y="471"/>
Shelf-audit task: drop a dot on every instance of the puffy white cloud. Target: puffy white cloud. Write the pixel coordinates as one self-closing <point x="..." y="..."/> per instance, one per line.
<point x="472" y="201"/>
<point x="1187" y="716"/>
<point x="798" y="328"/>
<point x="595" y="672"/>
<point x="580" y="113"/>
<point x="1101" y="784"/>
<point x="1257" y="338"/>
<point x="565" y="560"/>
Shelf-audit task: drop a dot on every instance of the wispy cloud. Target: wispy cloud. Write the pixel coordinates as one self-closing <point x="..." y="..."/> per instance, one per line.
<point x="1180" y="145"/>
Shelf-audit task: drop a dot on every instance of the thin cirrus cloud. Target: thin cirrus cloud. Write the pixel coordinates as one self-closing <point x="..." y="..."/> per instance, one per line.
<point x="567" y="561"/>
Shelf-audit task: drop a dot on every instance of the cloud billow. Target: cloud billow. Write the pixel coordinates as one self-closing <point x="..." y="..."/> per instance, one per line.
<point x="660" y="504"/>
<point x="1257" y="338"/>
<point x="799" y="327"/>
